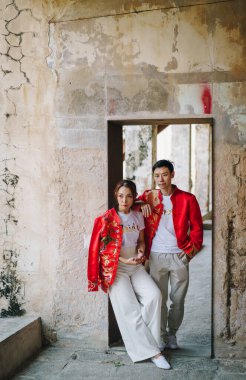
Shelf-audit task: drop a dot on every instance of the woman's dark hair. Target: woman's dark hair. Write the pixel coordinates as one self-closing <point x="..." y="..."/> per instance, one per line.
<point x="126" y="183"/>
<point x="163" y="163"/>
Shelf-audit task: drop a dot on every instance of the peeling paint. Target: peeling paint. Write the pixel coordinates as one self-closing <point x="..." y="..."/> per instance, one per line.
<point x="174" y="45"/>
<point x="135" y="158"/>
<point x="172" y="65"/>
<point x="10" y="285"/>
<point x="206" y="100"/>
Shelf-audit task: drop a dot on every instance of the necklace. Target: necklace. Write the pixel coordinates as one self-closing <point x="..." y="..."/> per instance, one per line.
<point x="167" y="212"/>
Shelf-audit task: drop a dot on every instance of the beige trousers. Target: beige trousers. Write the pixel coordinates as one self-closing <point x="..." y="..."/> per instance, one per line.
<point x="165" y="267"/>
<point x="136" y="301"/>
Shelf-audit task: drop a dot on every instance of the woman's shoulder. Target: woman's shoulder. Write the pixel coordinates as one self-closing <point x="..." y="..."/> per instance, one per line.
<point x="104" y="215"/>
<point x="109" y="214"/>
<point x="137" y="214"/>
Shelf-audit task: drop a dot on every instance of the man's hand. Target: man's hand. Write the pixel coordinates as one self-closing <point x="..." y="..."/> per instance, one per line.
<point x="146" y="210"/>
<point x="185" y="258"/>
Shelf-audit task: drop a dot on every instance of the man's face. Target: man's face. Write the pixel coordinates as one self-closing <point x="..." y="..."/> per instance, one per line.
<point x="163" y="178"/>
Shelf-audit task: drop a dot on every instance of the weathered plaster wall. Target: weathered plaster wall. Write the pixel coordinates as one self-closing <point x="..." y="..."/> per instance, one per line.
<point x="29" y="167"/>
<point x="66" y="67"/>
<point x="138" y="155"/>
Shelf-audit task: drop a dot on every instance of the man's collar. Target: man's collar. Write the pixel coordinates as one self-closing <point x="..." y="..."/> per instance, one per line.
<point x="175" y="189"/>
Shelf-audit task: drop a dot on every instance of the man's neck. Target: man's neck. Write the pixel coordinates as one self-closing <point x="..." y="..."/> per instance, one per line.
<point x="168" y="191"/>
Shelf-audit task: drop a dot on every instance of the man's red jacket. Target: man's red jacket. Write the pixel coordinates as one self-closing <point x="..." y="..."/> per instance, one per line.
<point x="187" y="219"/>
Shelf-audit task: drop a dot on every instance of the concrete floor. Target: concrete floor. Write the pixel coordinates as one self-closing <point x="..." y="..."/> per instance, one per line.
<point x="84" y="354"/>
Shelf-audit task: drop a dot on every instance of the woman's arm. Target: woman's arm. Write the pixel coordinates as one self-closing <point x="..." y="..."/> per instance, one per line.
<point x="141" y="243"/>
<point x="140" y="250"/>
<point x="131" y="261"/>
<point x="93" y="257"/>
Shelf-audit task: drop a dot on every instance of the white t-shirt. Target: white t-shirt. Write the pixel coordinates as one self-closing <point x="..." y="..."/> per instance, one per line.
<point x="132" y="223"/>
<point x="165" y="240"/>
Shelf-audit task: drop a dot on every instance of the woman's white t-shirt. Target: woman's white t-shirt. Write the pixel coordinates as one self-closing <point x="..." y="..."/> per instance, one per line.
<point x="132" y="224"/>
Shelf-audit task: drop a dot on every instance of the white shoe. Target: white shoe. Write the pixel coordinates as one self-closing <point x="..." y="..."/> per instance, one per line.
<point x="172" y="343"/>
<point x="161" y="362"/>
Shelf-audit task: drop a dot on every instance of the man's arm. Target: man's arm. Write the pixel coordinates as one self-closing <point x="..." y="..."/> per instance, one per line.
<point x="196" y="231"/>
<point x="142" y="204"/>
<point x="196" y="225"/>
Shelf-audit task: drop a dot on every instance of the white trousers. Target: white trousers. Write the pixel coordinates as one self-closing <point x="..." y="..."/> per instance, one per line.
<point x="165" y="267"/>
<point x="136" y="301"/>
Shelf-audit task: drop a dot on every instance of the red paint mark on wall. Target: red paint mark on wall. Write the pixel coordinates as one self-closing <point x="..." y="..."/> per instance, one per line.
<point x="111" y="107"/>
<point x="207" y="100"/>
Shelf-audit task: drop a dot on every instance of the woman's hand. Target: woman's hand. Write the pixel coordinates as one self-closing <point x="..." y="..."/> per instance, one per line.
<point x="140" y="257"/>
<point x="132" y="261"/>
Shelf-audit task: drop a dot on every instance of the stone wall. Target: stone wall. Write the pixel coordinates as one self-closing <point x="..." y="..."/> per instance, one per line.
<point x="66" y="68"/>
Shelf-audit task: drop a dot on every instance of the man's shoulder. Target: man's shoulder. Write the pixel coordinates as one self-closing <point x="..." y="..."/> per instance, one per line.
<point x="185" y="194"/>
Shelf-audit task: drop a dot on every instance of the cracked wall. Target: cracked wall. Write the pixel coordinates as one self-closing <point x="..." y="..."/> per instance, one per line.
<point x="68" y="66"/>
<point x="29" y="166"/>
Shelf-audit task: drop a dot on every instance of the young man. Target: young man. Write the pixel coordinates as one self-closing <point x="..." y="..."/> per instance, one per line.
<point x="174" y="234"/>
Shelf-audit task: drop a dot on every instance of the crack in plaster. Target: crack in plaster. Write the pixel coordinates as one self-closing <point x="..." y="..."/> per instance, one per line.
<point x="136" y="12"/>
<point x="228" y="278"/>
<point x="175" y="42"/>
<point x="50" y="58"/>
<point x="11" y="286"/>
<point x="14" y="41"/>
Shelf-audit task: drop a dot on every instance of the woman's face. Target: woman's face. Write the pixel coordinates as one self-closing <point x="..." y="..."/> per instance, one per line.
<point x="125" y="199"/>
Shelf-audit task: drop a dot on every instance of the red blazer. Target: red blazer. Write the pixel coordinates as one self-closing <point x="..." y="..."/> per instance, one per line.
<point x="104" y="251"/>
<point x="187" y="219"/>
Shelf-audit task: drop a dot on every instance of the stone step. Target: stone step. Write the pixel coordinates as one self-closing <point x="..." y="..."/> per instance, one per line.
<point x="207" y="224"/>
<point x="20" y="340"/>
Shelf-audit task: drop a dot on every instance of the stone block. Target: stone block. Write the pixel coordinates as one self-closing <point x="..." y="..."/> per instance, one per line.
<point x="20" y="340"/>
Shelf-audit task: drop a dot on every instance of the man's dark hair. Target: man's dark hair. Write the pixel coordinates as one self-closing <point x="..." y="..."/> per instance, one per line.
<point x="163" y="163"/>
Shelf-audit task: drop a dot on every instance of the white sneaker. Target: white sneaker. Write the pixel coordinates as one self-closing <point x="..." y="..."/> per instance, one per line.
<point x="172" y="343"/>
<point x="161" y="362"/>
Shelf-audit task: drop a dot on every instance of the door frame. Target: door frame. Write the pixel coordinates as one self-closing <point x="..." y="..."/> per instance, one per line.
<point x="115" y="173"/>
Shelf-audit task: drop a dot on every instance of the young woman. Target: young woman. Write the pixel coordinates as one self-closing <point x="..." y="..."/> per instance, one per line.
<point x="116" y="254"/>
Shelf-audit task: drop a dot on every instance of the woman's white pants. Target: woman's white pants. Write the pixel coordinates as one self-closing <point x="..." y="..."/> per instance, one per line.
<point x="136" y="301"/>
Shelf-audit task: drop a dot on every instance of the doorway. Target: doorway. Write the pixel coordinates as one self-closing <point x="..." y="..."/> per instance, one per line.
<point x="133" y="147"/>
